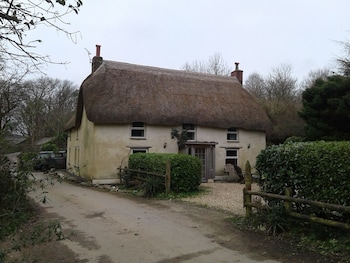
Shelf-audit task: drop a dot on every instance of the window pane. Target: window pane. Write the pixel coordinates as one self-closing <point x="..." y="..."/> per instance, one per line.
<point x="231" y="153"/>
<point x="137" y="133"/>
<point x="138" y="151"/>
<point x="231" y="137"/>
<point x="190" y="136"/>
<point x="231" y="161"/>
<point x="189" y="127"/>
<point x="232" y="129"/>
<point x="137" y="124"/>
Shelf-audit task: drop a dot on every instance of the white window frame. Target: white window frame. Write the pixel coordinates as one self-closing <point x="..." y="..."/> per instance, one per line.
<point x="139" y="150"/>
<point x="191" y="130"/>
<point x="232" y="132"/>
<point x="136" y="126"/>
<point x="231" y="157"/>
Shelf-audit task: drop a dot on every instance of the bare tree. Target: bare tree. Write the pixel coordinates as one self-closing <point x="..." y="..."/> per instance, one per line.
<point x="61" y="105"/>
<point x="256" y="86"/>
<point x="47" y="106"/>
<point x="278" y="94"/>
<point x="18" y="18"/>
<point x="344" y="62"/>
<point x="11" y="95"/>
<point x="280" y="85"/>
<point x="215" y="65"/>
<point x="313" y="75"/>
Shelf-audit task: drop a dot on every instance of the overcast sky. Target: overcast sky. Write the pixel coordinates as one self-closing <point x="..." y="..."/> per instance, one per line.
<point x="259" y="34"/>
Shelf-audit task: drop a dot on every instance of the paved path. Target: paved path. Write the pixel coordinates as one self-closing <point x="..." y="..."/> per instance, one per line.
<point x="116" y="228"/>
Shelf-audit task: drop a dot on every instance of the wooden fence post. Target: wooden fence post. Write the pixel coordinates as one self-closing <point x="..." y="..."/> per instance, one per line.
<point x="288" y="204"/>
<point x="248" y="186"/>
<point x="167" y="177"/>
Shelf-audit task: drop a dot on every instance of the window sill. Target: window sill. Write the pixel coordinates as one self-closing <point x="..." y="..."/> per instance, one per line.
<point x="138" y="138"/>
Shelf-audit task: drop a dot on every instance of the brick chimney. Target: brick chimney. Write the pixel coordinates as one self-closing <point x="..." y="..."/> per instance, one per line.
<point x="237" y="73"/>
<point x="97" y="59"/>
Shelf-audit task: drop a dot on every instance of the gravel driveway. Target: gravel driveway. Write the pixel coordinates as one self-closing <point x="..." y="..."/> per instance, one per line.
<point x="227" y="197"/>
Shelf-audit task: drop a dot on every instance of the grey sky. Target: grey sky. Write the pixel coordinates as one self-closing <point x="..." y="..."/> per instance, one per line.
<point x="260" y="34"/>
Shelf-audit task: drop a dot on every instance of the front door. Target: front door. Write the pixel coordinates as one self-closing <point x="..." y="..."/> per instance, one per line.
<point x="205" y="153"/>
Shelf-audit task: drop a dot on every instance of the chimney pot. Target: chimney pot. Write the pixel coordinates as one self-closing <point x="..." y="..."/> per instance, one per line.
<point x="237" y="73"/>
<point x="97" y="60"/>
<point x="98" y="50"/>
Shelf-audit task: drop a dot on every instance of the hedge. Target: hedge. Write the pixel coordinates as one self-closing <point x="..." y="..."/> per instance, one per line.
<point x="185" y="169"/>
<point x="317" y="171"/>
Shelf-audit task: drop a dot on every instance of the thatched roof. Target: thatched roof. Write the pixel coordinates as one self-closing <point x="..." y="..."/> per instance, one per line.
<point x="121" y="93"/>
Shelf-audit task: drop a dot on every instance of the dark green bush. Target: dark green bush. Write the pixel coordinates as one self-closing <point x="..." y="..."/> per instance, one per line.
<point x="57" y="143"/>
<point x="317" y="171"/>
<point x="14" y="205"/>
<point x="49" y="146"/>
<point x="185" y="169"/>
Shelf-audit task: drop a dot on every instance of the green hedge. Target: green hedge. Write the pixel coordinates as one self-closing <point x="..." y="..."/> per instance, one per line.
<point x="185" y="169"/>
<point x="317" y="171"/>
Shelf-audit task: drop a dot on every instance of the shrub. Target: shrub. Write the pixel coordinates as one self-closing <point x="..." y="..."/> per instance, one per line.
<point x="185" y="169"/>
<point x="317" y="171"/>
<point x="49" y="146"/>
<point x="14" y="205"/>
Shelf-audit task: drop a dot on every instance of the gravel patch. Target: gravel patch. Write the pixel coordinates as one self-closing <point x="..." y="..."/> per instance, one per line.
<point x="227" y="197"/>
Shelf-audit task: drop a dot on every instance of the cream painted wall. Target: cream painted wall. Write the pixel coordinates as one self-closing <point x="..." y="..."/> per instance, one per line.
<point x="104" y="148"/>
<point x="113" y="145"/>
<point x="80" y="157"/>
<point x="255" y="139"/>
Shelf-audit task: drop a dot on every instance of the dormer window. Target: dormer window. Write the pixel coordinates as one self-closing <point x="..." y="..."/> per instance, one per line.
<point x="138" y="130"/>
<point x="191" y="131"/>
<point x="232" y="134"/>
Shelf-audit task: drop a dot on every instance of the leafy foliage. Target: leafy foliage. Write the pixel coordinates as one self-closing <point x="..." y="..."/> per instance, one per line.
<point x="327" y="109"/>
<point x="57" y="143"/>
<point x="14" y="186"/>
<point x="16" y="208"/>
<point x="185" y="169"/>
<point x="180" y="136"/>
<point x="270" y="220"/>
<point x="316" y="171"/>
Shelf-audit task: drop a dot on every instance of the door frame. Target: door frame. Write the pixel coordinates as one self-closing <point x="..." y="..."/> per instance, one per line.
<point x="209" y="157"/>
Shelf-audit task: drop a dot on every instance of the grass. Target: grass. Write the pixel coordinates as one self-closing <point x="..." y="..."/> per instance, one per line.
<point x="172" y="195"/>
<point x="323" y="240"/>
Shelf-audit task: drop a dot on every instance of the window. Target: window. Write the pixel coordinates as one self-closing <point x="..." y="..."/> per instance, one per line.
<point x="76" y="156"/>
<point x="191" y="131"/>
<point x="133" y="151"/>
<point x="137" y="130"/>
<point x="232" y="134"/>
<point x="231" y="156"/>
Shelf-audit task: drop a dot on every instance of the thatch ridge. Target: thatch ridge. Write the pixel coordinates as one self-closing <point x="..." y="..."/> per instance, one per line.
<point x="120" y="93"/>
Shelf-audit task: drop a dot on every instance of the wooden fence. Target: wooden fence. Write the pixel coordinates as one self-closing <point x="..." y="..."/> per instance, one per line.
<point x="166" y="176"/>
<point x="288" y="200"/>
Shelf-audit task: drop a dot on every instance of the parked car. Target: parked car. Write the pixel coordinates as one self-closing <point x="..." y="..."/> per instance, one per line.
<point x="46" y="160"/>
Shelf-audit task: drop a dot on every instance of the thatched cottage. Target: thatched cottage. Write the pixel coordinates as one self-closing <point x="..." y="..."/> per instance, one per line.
<point x="124" y="109"/>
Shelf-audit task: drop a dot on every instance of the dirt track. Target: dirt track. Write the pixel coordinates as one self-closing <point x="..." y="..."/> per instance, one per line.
<point x="114" y="227"/>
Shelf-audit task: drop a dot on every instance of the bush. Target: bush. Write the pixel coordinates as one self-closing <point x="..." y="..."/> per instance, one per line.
<point x="49" y="146"/>
<point x="317" y="171"/>
<point x="14" y="205"/>
<point x="57" y="143"/>
<point x="185" y="169"/>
